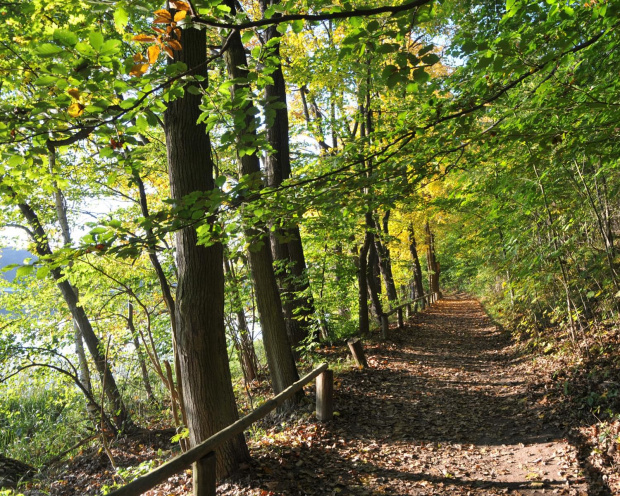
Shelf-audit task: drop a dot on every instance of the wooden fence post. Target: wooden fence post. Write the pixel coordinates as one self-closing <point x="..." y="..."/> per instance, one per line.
<point x="357" y="350"/>
<point x="401" y="324"/>
<point x="324" y="395"/>
<point x="204" y="476"/>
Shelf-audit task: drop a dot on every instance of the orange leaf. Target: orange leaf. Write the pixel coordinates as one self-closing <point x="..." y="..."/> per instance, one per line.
<point x="181" y="6"/>
<point x="175" y="45"/>
<point x="76" y="109"/>
<point x="163" y="13"/>
<point x="180" y="15"/>
<point x="139" y="69"/>
<point x="143" y="38"/>
<point x="138" y="58"/>
<point x="169" y="52"/>
<point x="159" y="30"/>
<point x="153" y="53"/>
<point x="162" y="20"/>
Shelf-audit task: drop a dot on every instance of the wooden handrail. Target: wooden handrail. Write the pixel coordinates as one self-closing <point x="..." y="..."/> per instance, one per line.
<point x="181" y="462"/>
<point x="399" y="307"/>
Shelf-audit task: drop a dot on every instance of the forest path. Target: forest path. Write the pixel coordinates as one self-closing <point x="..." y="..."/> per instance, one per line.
<point x="443" y="409"/>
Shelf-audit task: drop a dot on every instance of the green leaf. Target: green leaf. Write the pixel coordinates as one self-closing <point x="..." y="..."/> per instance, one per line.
<point x="84" y="49"/>
<point x="43" y="272"/>
<point x="96" y="40"/>
<point x="121" y="18"/>
<point x="387" y="48"/>
<point x="372" y="26"/>
<point x="430" y="59"/>
<point x="65" y="37"/>
<point x="420" y="75"/>
<point x="15" y="161"/>
<point x="220" y="181"/>
<point x="24" y="270"/>
<point x="48" y="50"/>
<point x="110" y="47"/>
<point x="297" y="26"/>
<point x="247" y="36"/>
<point x="45" y="81"/>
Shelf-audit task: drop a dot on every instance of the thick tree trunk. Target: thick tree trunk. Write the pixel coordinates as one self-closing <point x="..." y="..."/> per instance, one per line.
<point x="298" y="301"/>
<point x="201" y="340"/>
<point x="277" y="345"/>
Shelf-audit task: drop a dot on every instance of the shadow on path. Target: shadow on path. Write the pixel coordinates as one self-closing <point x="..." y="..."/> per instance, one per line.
<point x="442" y="410"/>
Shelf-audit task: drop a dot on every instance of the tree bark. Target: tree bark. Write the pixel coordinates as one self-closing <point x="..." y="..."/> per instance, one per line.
<point x="136" y="342"/>
<point x="277" y="345"/>
<point x="176" y="392"/>
<point x="385" y="264"/>
<point x="244" y="343"/>
<point x="362" y="278"/>
<point x="61" y="212"/>
<point x="417" y="284"/>
<point x="373" y="281"/>
<point x="298" y="301"/>
<point x="431" y="259"/>
<point x="201" y="340"/>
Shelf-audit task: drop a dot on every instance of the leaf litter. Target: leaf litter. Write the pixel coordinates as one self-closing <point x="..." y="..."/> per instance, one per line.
<point x="448" y="405"/>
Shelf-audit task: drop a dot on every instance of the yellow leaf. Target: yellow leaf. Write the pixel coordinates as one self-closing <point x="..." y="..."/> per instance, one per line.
<point x="144" y="38"/>
<point x="74" y="93"/>
<point x="175" y="45"/>
<point x="153" y="53"/>
<point x="163" y="13"/>
<point x="162" y="20"/>
<point x="139" y="69"/>
<point x="180" y="15"/>
<point x="181" y="6"/>
<point x="76" y="109"/>
<point x="138" y="58"/>
<point x="169" y="52"/>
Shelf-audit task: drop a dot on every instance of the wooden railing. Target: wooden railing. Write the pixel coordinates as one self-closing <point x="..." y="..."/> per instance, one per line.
<point x="203" y="455"/>
<point x="427" y="299"/>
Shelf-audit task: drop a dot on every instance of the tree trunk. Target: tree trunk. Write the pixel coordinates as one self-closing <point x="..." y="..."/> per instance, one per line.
<point x="277" y="345"/>
<point x="362" y="277"/>
<point x="141" y="362"/>
<point x="176" y="392"/>
<point x="120" y="413"/>
<point x="299" y="304"/>
<point x="385" y="264"/>
<point x="247" y="353"/>
<point x="201" y="339"/>
<point x="431" y="259"/>
<point x="61" y="212"/>
<point x="373" y="280"/>
<point x="417" y="284"/>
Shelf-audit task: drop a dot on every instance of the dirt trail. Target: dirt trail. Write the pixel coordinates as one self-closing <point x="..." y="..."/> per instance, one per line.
<point x="442" y="410"/>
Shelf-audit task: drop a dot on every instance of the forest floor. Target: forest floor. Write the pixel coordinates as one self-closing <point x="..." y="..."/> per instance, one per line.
<point x="449" y="405"/>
